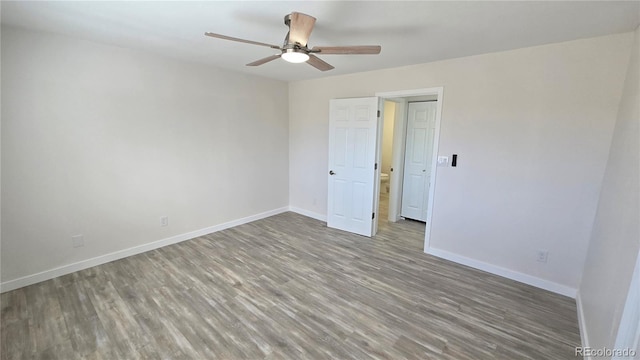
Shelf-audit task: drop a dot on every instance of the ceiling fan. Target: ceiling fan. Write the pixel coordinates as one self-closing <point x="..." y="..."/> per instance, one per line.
<point x="295" y="48"/>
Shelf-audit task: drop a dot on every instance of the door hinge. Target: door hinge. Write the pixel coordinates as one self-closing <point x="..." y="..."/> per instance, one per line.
<point x="375" y="166"/>
<point x="373" y="216"/>
<point x="378" y="113"/>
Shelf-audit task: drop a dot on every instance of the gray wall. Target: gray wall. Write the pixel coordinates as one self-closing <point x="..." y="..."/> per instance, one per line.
<point x="615" y="239"/>
<point x="103" y="141"/>
<point x="532" y="128"/>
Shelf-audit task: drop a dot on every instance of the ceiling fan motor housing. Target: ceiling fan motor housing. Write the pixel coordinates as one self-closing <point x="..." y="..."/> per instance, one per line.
<point x="295" y="48"/>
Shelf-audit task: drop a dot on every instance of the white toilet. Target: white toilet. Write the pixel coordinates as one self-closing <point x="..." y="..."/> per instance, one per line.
<point x="384" y="182"/>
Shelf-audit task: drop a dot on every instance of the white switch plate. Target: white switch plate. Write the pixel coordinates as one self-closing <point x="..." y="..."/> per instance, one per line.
<point x="164" y="221"/>
<point x="443" y="160"/>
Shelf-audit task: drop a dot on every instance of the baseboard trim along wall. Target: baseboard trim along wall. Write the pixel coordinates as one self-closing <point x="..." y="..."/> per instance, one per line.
<point x="582" y="324"/>
<point x="509" y="274"/>
<point x="308" y="213"/>
<point x="120" y="254"/>
<point x="493" y="269"/>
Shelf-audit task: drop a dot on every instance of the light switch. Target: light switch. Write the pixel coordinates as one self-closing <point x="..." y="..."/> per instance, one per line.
<point x="443" y="160"/>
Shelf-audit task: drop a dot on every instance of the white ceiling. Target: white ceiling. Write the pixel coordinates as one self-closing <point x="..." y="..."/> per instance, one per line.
<point x="409" y="32"/>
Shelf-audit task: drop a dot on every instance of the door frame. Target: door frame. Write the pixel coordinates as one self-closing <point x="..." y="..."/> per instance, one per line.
<point x="398" y="137"/>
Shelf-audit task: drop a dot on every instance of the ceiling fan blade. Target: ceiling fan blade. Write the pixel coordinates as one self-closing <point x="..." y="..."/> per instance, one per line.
<point x="318" y="63"/>
<point x="347" y="50"/>
<point x="241" y="40"/>
<point x="300" y="27"/>
<point x="263" y="61"/>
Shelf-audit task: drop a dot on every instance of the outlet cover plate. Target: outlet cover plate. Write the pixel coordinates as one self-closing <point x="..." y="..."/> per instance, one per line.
<point x="543" y="256"/>
<point x="78" y="241"/>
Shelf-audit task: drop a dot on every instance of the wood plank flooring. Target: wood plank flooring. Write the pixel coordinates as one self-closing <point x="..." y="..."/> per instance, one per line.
<point x="287" y="287"/>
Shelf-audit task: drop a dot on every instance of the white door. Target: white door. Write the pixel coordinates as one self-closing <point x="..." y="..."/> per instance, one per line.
<point x="351" y="174"/>
<point x="417" y="160"/>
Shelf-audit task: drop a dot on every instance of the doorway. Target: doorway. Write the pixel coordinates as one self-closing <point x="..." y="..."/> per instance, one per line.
<point x="392" y="149"/>
<point x="354" y="174"/>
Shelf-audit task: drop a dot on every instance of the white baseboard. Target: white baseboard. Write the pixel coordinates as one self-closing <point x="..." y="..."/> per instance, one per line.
<point x="509" y="274"/>
<point x="120" y="254"/>
<point x="308" y="213"/>
<point x="493" y="269"/>
<point x="584" y="337"/>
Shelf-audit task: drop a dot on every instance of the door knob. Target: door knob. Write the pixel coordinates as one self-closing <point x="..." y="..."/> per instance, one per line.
<point x="331" y="172"/>
<point x="425" y="170"/>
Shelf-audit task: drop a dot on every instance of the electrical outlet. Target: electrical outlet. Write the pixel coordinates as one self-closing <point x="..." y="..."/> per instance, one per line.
<point x="543" y="255"/>
<point x="77" y="241"/>
<point x="164" y="221"/>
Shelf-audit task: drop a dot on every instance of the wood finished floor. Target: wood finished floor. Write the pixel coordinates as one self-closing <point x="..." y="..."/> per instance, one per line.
<point x="287" y="287"/>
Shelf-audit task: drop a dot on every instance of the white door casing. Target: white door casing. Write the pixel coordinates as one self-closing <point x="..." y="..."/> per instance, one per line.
<point x="352" y="154"/>
<point x="418" y="158"/>
<point x="399" y="136"/>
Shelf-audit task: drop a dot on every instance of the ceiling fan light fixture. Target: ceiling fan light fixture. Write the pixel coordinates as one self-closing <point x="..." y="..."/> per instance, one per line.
<point x="295" y="48"/>
<point x="292" y="56"/>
